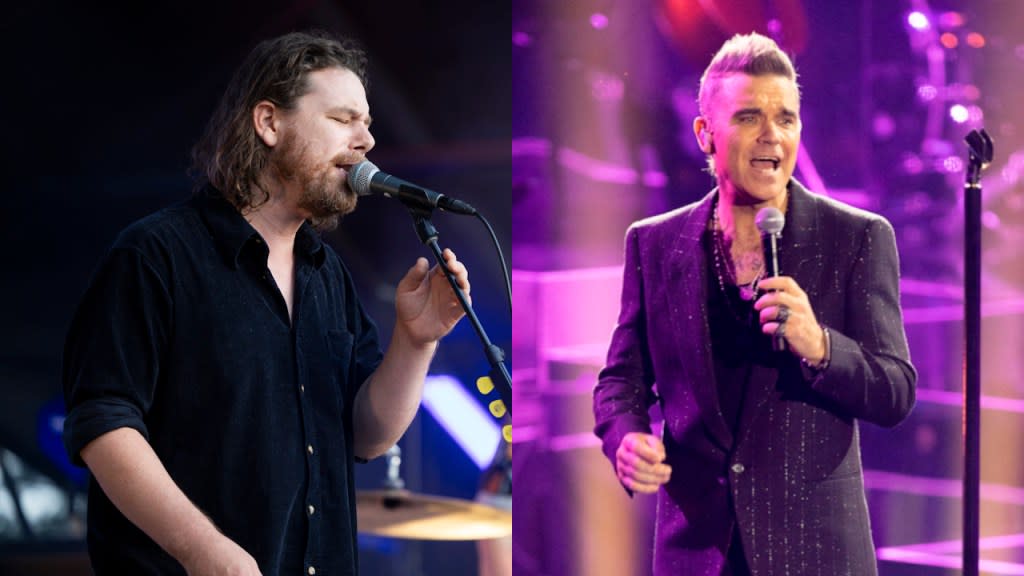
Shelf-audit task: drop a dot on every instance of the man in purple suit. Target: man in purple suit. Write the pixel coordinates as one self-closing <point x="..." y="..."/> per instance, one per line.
<point x="757" y="469"/>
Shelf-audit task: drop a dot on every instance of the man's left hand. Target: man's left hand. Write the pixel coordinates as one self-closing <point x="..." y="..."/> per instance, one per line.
<point x="426" y="304"/>
<point x="785" y="305"/>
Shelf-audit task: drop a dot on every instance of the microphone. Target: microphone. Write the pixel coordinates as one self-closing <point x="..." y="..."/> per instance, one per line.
<point x="770" y="222"/>
<point x="365" y="178"/>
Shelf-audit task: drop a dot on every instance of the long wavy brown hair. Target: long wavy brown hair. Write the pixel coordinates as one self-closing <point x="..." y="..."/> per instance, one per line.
<point x="230" y="155"/>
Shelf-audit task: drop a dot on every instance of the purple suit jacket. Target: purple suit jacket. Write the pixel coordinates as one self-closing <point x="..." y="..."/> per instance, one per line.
<point x="793" y="470"/>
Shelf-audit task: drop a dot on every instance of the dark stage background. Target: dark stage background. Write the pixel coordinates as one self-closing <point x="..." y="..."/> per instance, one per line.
<point x="101" y="105"/>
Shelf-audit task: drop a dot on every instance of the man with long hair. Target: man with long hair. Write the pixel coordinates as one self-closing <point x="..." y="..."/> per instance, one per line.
<point x="761" y="379"/>
<point x="220" y="373"/>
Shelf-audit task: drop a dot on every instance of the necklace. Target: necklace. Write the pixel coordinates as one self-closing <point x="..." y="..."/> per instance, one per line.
<point x="748" y="292"/>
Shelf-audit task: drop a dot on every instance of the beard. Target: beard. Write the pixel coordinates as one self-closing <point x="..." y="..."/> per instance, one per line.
<point x="325" y="191"/>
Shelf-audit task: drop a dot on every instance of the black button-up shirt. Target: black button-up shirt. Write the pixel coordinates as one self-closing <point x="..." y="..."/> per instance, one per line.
<point x="184" y="336"/>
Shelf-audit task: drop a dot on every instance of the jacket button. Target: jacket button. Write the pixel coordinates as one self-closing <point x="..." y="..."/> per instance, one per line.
<point x="738" y="468"/>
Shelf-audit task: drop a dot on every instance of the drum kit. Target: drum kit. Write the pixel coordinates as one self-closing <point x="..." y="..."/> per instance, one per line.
<point x="398" y="513"/>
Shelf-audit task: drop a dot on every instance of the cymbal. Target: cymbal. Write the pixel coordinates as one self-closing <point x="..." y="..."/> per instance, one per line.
<point x="403" y="514"/>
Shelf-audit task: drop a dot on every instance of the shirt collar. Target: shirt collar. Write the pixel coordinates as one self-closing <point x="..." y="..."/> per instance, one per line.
<point x="232" y="233"/>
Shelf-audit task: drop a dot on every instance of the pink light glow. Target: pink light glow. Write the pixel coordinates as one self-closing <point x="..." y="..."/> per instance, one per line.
<point x="955" y="313"/>
<point x="897" y="554"/>
<point x="947" y="554"/>
<point x="595" y="169"/>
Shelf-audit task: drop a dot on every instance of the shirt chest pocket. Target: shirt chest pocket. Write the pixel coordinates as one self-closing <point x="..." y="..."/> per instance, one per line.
<point x="340" y="344"/>
<point x="338" y="363"/>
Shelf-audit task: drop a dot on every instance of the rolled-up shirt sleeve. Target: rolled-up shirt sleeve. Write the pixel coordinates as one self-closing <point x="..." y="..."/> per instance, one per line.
<point x="113" y="349"/>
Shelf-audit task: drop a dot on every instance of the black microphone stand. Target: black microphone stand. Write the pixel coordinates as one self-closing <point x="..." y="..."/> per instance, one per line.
<point x="495" y="355"/>
<point x="979" y="146"/>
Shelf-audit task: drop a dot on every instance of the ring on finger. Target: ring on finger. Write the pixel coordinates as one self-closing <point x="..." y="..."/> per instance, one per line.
<point x="782" y="315"/>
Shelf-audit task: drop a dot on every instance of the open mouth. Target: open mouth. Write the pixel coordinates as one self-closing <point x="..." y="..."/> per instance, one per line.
<point x="765" y="162"/>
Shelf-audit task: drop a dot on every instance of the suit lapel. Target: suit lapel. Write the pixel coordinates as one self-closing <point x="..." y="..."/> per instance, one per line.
<point x="689" y="313"/>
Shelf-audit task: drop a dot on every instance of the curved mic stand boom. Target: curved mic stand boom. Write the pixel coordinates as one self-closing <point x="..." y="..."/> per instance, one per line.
<point x="979" y="146"/>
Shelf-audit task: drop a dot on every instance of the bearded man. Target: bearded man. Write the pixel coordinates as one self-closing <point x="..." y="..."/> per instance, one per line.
<point x="220" y="374"/>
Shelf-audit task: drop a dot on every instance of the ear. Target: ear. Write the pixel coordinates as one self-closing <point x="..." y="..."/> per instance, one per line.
<point x="265" y="120"/>
<point x="702" y="130"/>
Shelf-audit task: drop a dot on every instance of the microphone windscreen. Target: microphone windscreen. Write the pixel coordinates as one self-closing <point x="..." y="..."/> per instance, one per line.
<point x="770" y="220"/>
<point x="360" y="175"/>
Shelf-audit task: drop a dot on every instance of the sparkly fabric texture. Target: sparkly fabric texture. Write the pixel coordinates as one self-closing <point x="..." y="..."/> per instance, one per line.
<point x="793" y="467"/>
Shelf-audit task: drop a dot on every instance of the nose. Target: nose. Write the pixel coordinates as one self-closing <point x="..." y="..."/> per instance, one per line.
<point x="770" y="133"/>
<point x="363" y="140"/>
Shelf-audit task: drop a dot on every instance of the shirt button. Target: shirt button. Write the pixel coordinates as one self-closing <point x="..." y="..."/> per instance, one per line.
<point x="738" y="468"/>
<point x="311" y="571"/>
<point x="309" y="449"/>
<point x="311" y="509"/>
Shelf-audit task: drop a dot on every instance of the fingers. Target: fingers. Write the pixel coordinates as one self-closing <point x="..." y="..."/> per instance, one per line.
<point x="639" y="463"/>
<point x="414" y="276"/>
<point x="457" y="268"/>
<point x="785" y="312"/>
<point x="780" y="284"/>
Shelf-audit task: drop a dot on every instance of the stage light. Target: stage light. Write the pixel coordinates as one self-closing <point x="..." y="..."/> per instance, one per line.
<point x="598" y="21"/>
<point x="949" y="40"/>
<point x="472" y="428"/>
<point x="927" y="92"/>
<point x="917" y="20"/>
<point x="990" y="220"/>
<point x="883" y="126"/>
<point x="521" y="39"/>
<point x="952" y="164"/>
<point x="975" y="40"/>
<point x="951" y="20"/>
<point x="958" y="112"/>
<point x="912" y="164"/>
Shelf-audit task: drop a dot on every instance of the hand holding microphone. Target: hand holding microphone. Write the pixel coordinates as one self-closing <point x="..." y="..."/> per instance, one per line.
<point x="770" y="221"/>
<point x="784" y="310"/>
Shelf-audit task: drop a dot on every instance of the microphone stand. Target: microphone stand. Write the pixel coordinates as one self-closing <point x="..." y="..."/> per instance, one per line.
<point x="979" y="146"/>
<point x="495" y="355"/>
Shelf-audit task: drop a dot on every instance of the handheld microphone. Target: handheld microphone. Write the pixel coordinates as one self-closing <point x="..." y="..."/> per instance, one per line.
<point x="365" y="178"/>
<point x="770" y="222"/>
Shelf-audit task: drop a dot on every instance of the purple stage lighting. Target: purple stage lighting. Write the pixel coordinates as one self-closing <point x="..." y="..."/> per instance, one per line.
<point x="521" y="39"/>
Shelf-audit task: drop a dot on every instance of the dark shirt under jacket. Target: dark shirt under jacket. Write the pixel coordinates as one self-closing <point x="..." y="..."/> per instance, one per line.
<point x="736" y="341"/>
<point x="184" y="336"/>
